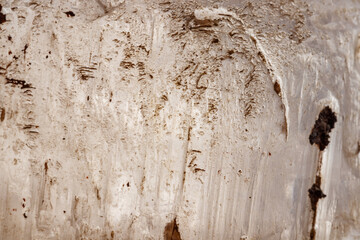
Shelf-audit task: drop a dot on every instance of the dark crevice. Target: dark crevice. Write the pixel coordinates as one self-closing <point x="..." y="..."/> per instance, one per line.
<point x="323" y="126"/>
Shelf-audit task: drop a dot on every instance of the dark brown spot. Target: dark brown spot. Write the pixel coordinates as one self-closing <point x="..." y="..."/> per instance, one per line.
<point x="2" y="117"/>
<point x="164" y="97"/>
<point x="230" y="52"/>
<point x="171" y="231"/>
<point x="46" y="168"/>
<point x="2" y="16"/>
<point x="70" y="14"/>
<point x="312" y="234"/>
<point x="323" y="126"/>
<point x="128" y="184"/>
<point x="9" y="38"/>
<point x="189" y="133"/>
<point x="98" y="194"/>
<point x="315" y="193"/>
<point x="215" y="40"/>
<point x="16" y="82"/>
<point x="277" y="88"/>
<point x="112" y="234"/>
<point x="25" y="216"/>
<point x="127" y="64"/>
<point x="25" y="48"/>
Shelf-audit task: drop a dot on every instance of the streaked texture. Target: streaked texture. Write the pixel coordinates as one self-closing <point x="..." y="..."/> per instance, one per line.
<point x="179" y="119"/>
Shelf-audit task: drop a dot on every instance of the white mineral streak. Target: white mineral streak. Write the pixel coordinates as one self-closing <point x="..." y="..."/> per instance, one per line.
<point x="119" y="116"/>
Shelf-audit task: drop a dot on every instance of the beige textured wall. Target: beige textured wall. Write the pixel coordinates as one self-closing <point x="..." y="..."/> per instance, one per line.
<point x="178" y="119"/>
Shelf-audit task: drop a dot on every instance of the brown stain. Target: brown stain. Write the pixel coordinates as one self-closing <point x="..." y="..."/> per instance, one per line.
<point x="315" y="194"/>
<point x="2" y="117"/>
<point x="127" y="64"/>
<point x="189" y="133"/>
<point x="98" y="194"/>
<point x="277" y="88"/>
<point x="70" y="14"/>
<point x="171" y="231"/>
<point x="86" y="73"/>
<point x="2" y="16"/>
<point x="142" y="184"/>
<point x="16" y="82"/>
<point x="112" y="234"/>
<point x="164" y="97"/>
<point x="25" y="48"/>
<point x="46" y="167"/>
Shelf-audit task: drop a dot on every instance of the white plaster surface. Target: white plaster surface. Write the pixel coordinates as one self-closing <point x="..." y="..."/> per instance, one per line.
<point x="134" y="113"/>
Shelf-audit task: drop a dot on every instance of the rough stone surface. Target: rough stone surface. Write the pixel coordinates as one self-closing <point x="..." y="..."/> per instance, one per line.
<point x="178" y="119"/>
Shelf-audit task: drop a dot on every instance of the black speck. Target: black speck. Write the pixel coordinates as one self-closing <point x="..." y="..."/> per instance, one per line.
<point x="88" y="98"/>
<point x="70" y="14"/>
<point x="128" y="184"/>
<point x="9" y="38"/>
<point x="25" y="216"/>
<point x="323" y="125"/>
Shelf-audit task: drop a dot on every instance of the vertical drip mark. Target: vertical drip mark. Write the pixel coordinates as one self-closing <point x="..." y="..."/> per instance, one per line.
<point x="320" y="136"/>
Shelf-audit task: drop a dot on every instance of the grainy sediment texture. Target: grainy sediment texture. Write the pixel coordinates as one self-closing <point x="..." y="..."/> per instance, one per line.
<point x="179" y="119"/>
